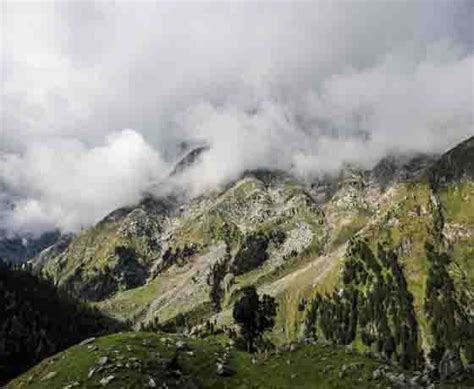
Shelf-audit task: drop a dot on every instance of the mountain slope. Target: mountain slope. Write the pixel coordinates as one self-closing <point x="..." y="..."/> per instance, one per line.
<point x="188" y="262"/>
<point x="36" y="320"/>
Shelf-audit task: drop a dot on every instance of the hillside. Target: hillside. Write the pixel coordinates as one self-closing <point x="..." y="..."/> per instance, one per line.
<point x="398" y="238"/>
<point x="141" y="360"/>
<point x="37" y="320"/>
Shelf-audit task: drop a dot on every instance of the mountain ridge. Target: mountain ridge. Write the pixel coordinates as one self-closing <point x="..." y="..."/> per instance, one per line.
<point x="294" y="241"/>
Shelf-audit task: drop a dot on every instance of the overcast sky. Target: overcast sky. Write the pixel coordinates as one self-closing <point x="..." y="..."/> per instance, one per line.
<point x="97" y="95"/>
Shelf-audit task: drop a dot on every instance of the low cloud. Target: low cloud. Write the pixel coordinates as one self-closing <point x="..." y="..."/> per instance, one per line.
<point x="64" y="184"/>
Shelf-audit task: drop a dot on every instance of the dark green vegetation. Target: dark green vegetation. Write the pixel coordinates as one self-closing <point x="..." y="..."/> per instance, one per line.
<point x="37" y="320"/>
<point x="254" y="315"/>
<point x="452" y="323"/>
<point x="374" y="304"/>
<point x="215" y="279"/>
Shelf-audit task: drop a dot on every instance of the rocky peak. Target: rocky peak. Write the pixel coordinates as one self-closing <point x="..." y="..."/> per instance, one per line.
<point x="455" y="165"/>
<point x="189" y="159"/>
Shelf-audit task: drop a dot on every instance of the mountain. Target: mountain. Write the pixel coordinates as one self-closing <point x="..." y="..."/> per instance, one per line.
<point x="190" y="158"/>
<point x="19" y="249"/>
<point x="380" y="260"/>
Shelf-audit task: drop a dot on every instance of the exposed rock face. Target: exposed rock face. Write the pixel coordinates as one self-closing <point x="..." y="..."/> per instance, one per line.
<point x="457" y="164"/>
<point x="189" y="159"/>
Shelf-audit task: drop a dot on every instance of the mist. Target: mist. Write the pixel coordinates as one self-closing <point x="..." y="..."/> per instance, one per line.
<point x="98" y="96"/>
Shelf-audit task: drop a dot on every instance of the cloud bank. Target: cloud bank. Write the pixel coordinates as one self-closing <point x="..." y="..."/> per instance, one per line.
<point x="96" y="96"/>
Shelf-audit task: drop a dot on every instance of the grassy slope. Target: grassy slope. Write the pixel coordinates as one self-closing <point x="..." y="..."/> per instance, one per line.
<point x="301" y="368"/>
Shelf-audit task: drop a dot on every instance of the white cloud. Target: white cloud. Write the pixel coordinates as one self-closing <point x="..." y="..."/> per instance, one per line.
<point x="64" y="184"/>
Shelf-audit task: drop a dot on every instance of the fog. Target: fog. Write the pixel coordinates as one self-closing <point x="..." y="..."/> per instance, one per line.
<point x="97" y="96"/>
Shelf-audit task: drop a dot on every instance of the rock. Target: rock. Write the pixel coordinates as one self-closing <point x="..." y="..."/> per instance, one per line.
<point x="87" y="341"/>
<point x="223" y="370"/>
<point x="102" y="361"/>
<point x="450" y="365"/>
<point x="91" y="372"/>
<point x="106" y="380"/>
<point x="72" y="385"/>
<point x="50" y="375"/>
<point x="377" y="374"/>
<point x="219" y="368"/>
<point x="151" y="383"/>
<point x="181" y="346"/>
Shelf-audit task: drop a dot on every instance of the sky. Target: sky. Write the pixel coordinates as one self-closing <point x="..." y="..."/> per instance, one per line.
<point x="96" y="97"/>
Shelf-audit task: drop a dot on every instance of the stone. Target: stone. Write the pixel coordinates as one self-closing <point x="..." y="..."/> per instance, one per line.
<point x="219" y="368"/>
<point x="377" y="374"/>
<point x="151" y="383"/>
<point x="106" y="380"/>
<point x="102" y="361"/>
<point x="87" y="341"/>
<point x="72" y="385"/>
<point x="181" y="346"/>
<point x="223" y="370"/>
<point x="50" y="375"/>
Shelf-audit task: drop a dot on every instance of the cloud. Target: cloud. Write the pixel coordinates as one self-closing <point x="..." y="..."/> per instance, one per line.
<point x="64" y="184"/>
<point x="300" y="86"/>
